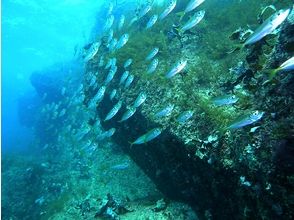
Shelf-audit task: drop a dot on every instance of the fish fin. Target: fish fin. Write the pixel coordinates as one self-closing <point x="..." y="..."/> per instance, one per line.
<point x="181" y="15"/>
<point x="131" y="144"/>
<point x="180" y="32"/>
<point x="271" y="74"/>
<point x="237" y="47"/>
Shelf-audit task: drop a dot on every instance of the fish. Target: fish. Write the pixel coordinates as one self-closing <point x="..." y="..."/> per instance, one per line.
<point x="153" y="65"/>
<point x="63" y="90"/>
<point x="152" y="134"/>
<point x="122" y="166"/>
<point x="192" y="5"/>
<point x="224" y="100"/>
<point x="107" y="134"/>
<point x="113" y="62"/>
<point x="100" y="93"/>
<point x="110" y="132"/>
<point x="110" y="9"/>
<point x="128" y="63"/>
<point x="133" y="21"/>
<point x="140" y="100"/>
<point x="101" y="61"/>
<point x="122" y="41"/>
<point x="121" y="22"/>
<point x="108" y="64"/>
<point x="176" y="69"/>
<point x="144" y="10"/>
<point x="129" y="81"/>
<point x="113" y="111"/>
<point x="184" y="116"/>
<point x="62" y="112"/>
<point x="246" y="120"/>
<point x="110" y="75"/>
<point x="124" y="77"/>
<point x="110" y="36"/>
<point x="112" y="94"/>
<point x="98" y="97"/>
<point x="268" y="26"/>
<point x="172" y="4"/>
<point x="194" y="20"/>
<point x="93" y="81"/>
<point x="165" y="111"/>
<point x="109" y="22"/>
<point x="112" y="45"/>
<point x="285" y="66"/>
<point x="152" y="53"/>
<point x="92" y="51"/>
<point x="129" y="113"/>
<point x="151" y="21"/>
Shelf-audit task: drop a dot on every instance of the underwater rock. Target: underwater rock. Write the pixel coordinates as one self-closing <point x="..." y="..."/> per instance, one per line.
<point x="160" y="205"/>
<point x="111" y="208"/>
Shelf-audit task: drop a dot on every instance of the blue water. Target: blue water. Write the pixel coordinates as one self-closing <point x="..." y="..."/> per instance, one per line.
<point x="35" y="35"/>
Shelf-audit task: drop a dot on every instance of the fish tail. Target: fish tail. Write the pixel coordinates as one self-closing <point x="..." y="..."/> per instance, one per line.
<point x="131" y="144"/>
<point x="271" y="73"/>
<point x="181" y="15"/>
<point x="237" y="47"/>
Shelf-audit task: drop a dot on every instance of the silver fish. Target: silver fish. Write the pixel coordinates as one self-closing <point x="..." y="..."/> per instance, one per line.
<point x="108" y="64"/>
<point x="100" y="93"/>
<point x="129" y="81"/>
<point x="110" y="36"/>
<point x="124" y="77"/>
<point x="246" y="120"/>
<point x="165" y="112"/>
<point x="121" y="22"/>
<point x="112" y="94"/>
<point x="113" y="62"/>
<point x="113" y="111"/>
<point x="287" y="65"/>
<point x="128" y="63"/>
<point x="98" y="97"/>
<point x="109" y="22"/>
<point x="110" y="132"/>
<point x="122" y="166"/>
<point x="133" y="21"/>
<point x="144" y="10"/>
<point x="153" y="65"/>
<point x="172" y="4"/>
<point x="151" y="21"/>
<point x="140" y="100"/>
<point x="110" y="75"/>
<point x="122" y="41"/>
<point x="92" y="51"/>
<point x="225" y="100"/>
<point x="152" y="53"/>
<point x="148" y="136"/>
<point x="101" y="61"/>
<point x="176" y="69"/>
<point x="110" y="9"/>
<point x="93" y="81"/>
<point x="194" y="20"/>
<point x="192" y="5"/>
<point x="268" y="26"/>
<point x="183" y="117"/>
<point x="112" y="45"/>
<point x="129" y="113"/>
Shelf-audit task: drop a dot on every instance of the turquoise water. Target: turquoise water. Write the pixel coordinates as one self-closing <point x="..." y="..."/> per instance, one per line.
<point x="158" y="109"/>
